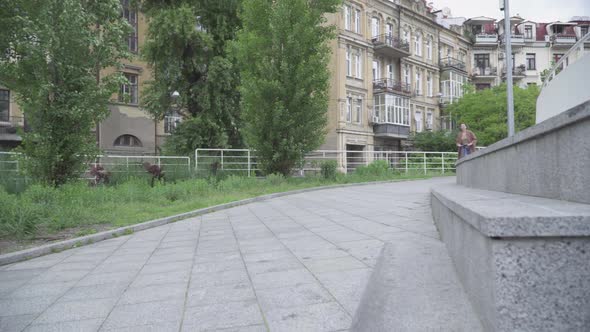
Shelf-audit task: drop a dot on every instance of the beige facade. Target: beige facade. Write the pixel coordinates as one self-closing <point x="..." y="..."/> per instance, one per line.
<point x="128" y="129"/>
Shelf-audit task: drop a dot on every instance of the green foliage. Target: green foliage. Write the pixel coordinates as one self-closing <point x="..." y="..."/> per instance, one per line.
<point x="60" y="47"/>
<point x="376" y="168"/>
<point x="329" y="169"/>
<point x="485" y="114"/>
<point x="283" y="52"/>
<point x="187" y="52"/>
<point x="435" y="141"/>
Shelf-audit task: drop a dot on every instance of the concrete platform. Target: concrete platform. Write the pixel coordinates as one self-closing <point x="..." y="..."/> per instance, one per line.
<point x="295" y="263"/>
<point x="414" y="287"/>
<point x="522" y="260"/>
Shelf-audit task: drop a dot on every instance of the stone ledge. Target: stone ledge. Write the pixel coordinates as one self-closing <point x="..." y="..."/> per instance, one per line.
<point x="23" y="255"/>
<point x="497" y="214"/>
<point x="570" y="117"/>
<point x="415" y="288"/>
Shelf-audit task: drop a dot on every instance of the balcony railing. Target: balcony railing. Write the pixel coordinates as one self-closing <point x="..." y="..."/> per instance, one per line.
<point x="484" y="71"/>
<point x="486" y="38"/>
<point x="391" y="86"/>
<point x="449" y="62"/>
<point x="563" y="39"/>
<point x="515" y="39"/>
<point x="391" y="46"/>
<point x="519" y="71"/>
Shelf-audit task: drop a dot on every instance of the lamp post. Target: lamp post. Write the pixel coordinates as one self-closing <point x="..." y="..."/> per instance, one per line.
<point x="505" y="6"/>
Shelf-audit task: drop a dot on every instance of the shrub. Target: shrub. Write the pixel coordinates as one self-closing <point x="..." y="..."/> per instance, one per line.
<point x="329" y="169"/>
<point x="99" y="175"/>
<point x="435" y="141"/>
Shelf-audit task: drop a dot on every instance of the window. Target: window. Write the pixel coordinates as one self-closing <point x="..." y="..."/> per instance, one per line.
<point x="583" y="31"/>
<point x="375" y="27"/>
<point x="531" y="61"/>
<point x="358" y="65"/>
<point x="389" y="108"/>
<point x="390" y="72"/>
<point x="130" y="15"/>
<point x="348" y="62"/>
<point x="429" y="49"/>
<point x="429" y="119"/>
<point x="418" y="119"/>
<point x="407" y="75"/>
<point x="128" y="92"/>
<point x="418" y="45"/>
<point x="127" y="140"/>
<point x="477" y="29"/>
<point x="482" y="61"/>
<point x="347" y="17"/>
<point x="171" y="121"/>
<point x="357" y="21"/>
<point x="406" y="37"/>
<point x="528" y="32"/>
<point x="513" y="62"/>
<point x="429" y="85"/>
<point x="348" y="109"/>
<point x="376" y="70"/>
<point x="558" y="28"/>
<point x="4" y="105"/>
<point x="418" y="82"/>
<point x="358" y="111"/>
<point x="389" y="30"/>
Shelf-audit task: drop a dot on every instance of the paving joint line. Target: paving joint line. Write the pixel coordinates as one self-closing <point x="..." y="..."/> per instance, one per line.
<point x="134" y="278"/>
<point x="76" y="283"/>
<point x="190" y="278"/>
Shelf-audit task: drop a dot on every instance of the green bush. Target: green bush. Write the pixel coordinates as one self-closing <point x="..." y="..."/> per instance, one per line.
<point x="435" y="141"/>
<point x="329" y="169"/>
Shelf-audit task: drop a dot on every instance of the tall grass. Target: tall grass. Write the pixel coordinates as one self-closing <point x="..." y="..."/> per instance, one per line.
<point x="45" y="210"/>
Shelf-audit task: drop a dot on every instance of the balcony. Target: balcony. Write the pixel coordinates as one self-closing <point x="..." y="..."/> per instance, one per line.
<point x="388" y="85"/>
<point x="517" y="72"/>
<point x="484" y="72"/>
<point x="391" y="130"/>
<point x="390" y="46"/>
<point x="562" y="40"/>
<point x="486" y="39"/>
<point x="9" y="128"/>
<point x="515" y="39"/>
<point x="451" y="63"/>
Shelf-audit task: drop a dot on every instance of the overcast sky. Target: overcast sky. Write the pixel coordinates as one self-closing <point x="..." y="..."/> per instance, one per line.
<point x="534" y="10"/>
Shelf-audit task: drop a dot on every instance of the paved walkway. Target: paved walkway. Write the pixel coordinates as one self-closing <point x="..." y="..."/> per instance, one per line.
<point x="297" y="263"/>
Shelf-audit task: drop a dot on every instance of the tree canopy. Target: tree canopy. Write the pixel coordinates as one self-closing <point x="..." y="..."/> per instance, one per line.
<point x="187" y="51"/>
<point x="52" y="53"/>
<point x="485" y="111"/>
<point x="283" y="52"/>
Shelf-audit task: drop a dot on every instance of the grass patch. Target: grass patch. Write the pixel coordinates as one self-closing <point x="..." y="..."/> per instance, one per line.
<point x="41" y="210"/>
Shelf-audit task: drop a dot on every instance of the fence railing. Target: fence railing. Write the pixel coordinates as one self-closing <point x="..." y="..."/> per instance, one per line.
<point x="112" y="163"/>
<point x="244" y="161"/>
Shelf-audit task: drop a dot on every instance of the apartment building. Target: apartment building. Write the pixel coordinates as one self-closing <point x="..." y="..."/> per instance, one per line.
<point x="128" y="129"/>
<point x="396" y="65"/>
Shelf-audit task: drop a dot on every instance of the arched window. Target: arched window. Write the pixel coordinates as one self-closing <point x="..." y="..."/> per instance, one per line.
<point x="128" y="140"/>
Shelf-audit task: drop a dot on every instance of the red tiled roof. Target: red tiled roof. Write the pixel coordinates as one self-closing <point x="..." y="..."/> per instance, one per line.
<point x="541" y="31"/>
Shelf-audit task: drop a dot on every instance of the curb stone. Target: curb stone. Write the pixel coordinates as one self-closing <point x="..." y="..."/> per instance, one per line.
<point x="19" y="256"/>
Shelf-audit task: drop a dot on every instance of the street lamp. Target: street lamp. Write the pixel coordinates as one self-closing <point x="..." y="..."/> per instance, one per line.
<point x="504" y="5"/>
<point x="175" y="95"/>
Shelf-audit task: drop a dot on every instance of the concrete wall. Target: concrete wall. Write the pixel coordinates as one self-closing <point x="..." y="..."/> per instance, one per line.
<point x="551" y="159"/>
<point x="566" y="90"/>
<point x="523" y="262"/>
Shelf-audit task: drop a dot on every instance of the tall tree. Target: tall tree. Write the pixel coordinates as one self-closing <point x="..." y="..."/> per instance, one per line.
<point x="283" y="51"/>
<point x="187" y="51"/>
<point x="484" y="111"/>
<point x="52" y="53"/>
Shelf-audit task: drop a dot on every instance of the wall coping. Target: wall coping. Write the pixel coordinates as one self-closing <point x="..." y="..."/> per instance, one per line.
<point x="499" y="214"/>
<point x="567" y="118"/>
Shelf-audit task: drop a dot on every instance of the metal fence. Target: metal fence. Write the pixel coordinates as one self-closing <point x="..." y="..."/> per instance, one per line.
<point x="244" y="161"/>
<point x="113" y="163"/>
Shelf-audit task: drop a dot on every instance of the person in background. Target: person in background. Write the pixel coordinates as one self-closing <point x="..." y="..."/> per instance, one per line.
<point x="466" y="141"/>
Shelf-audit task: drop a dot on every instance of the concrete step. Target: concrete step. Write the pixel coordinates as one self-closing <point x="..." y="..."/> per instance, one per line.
<point x="415" y="288"/>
